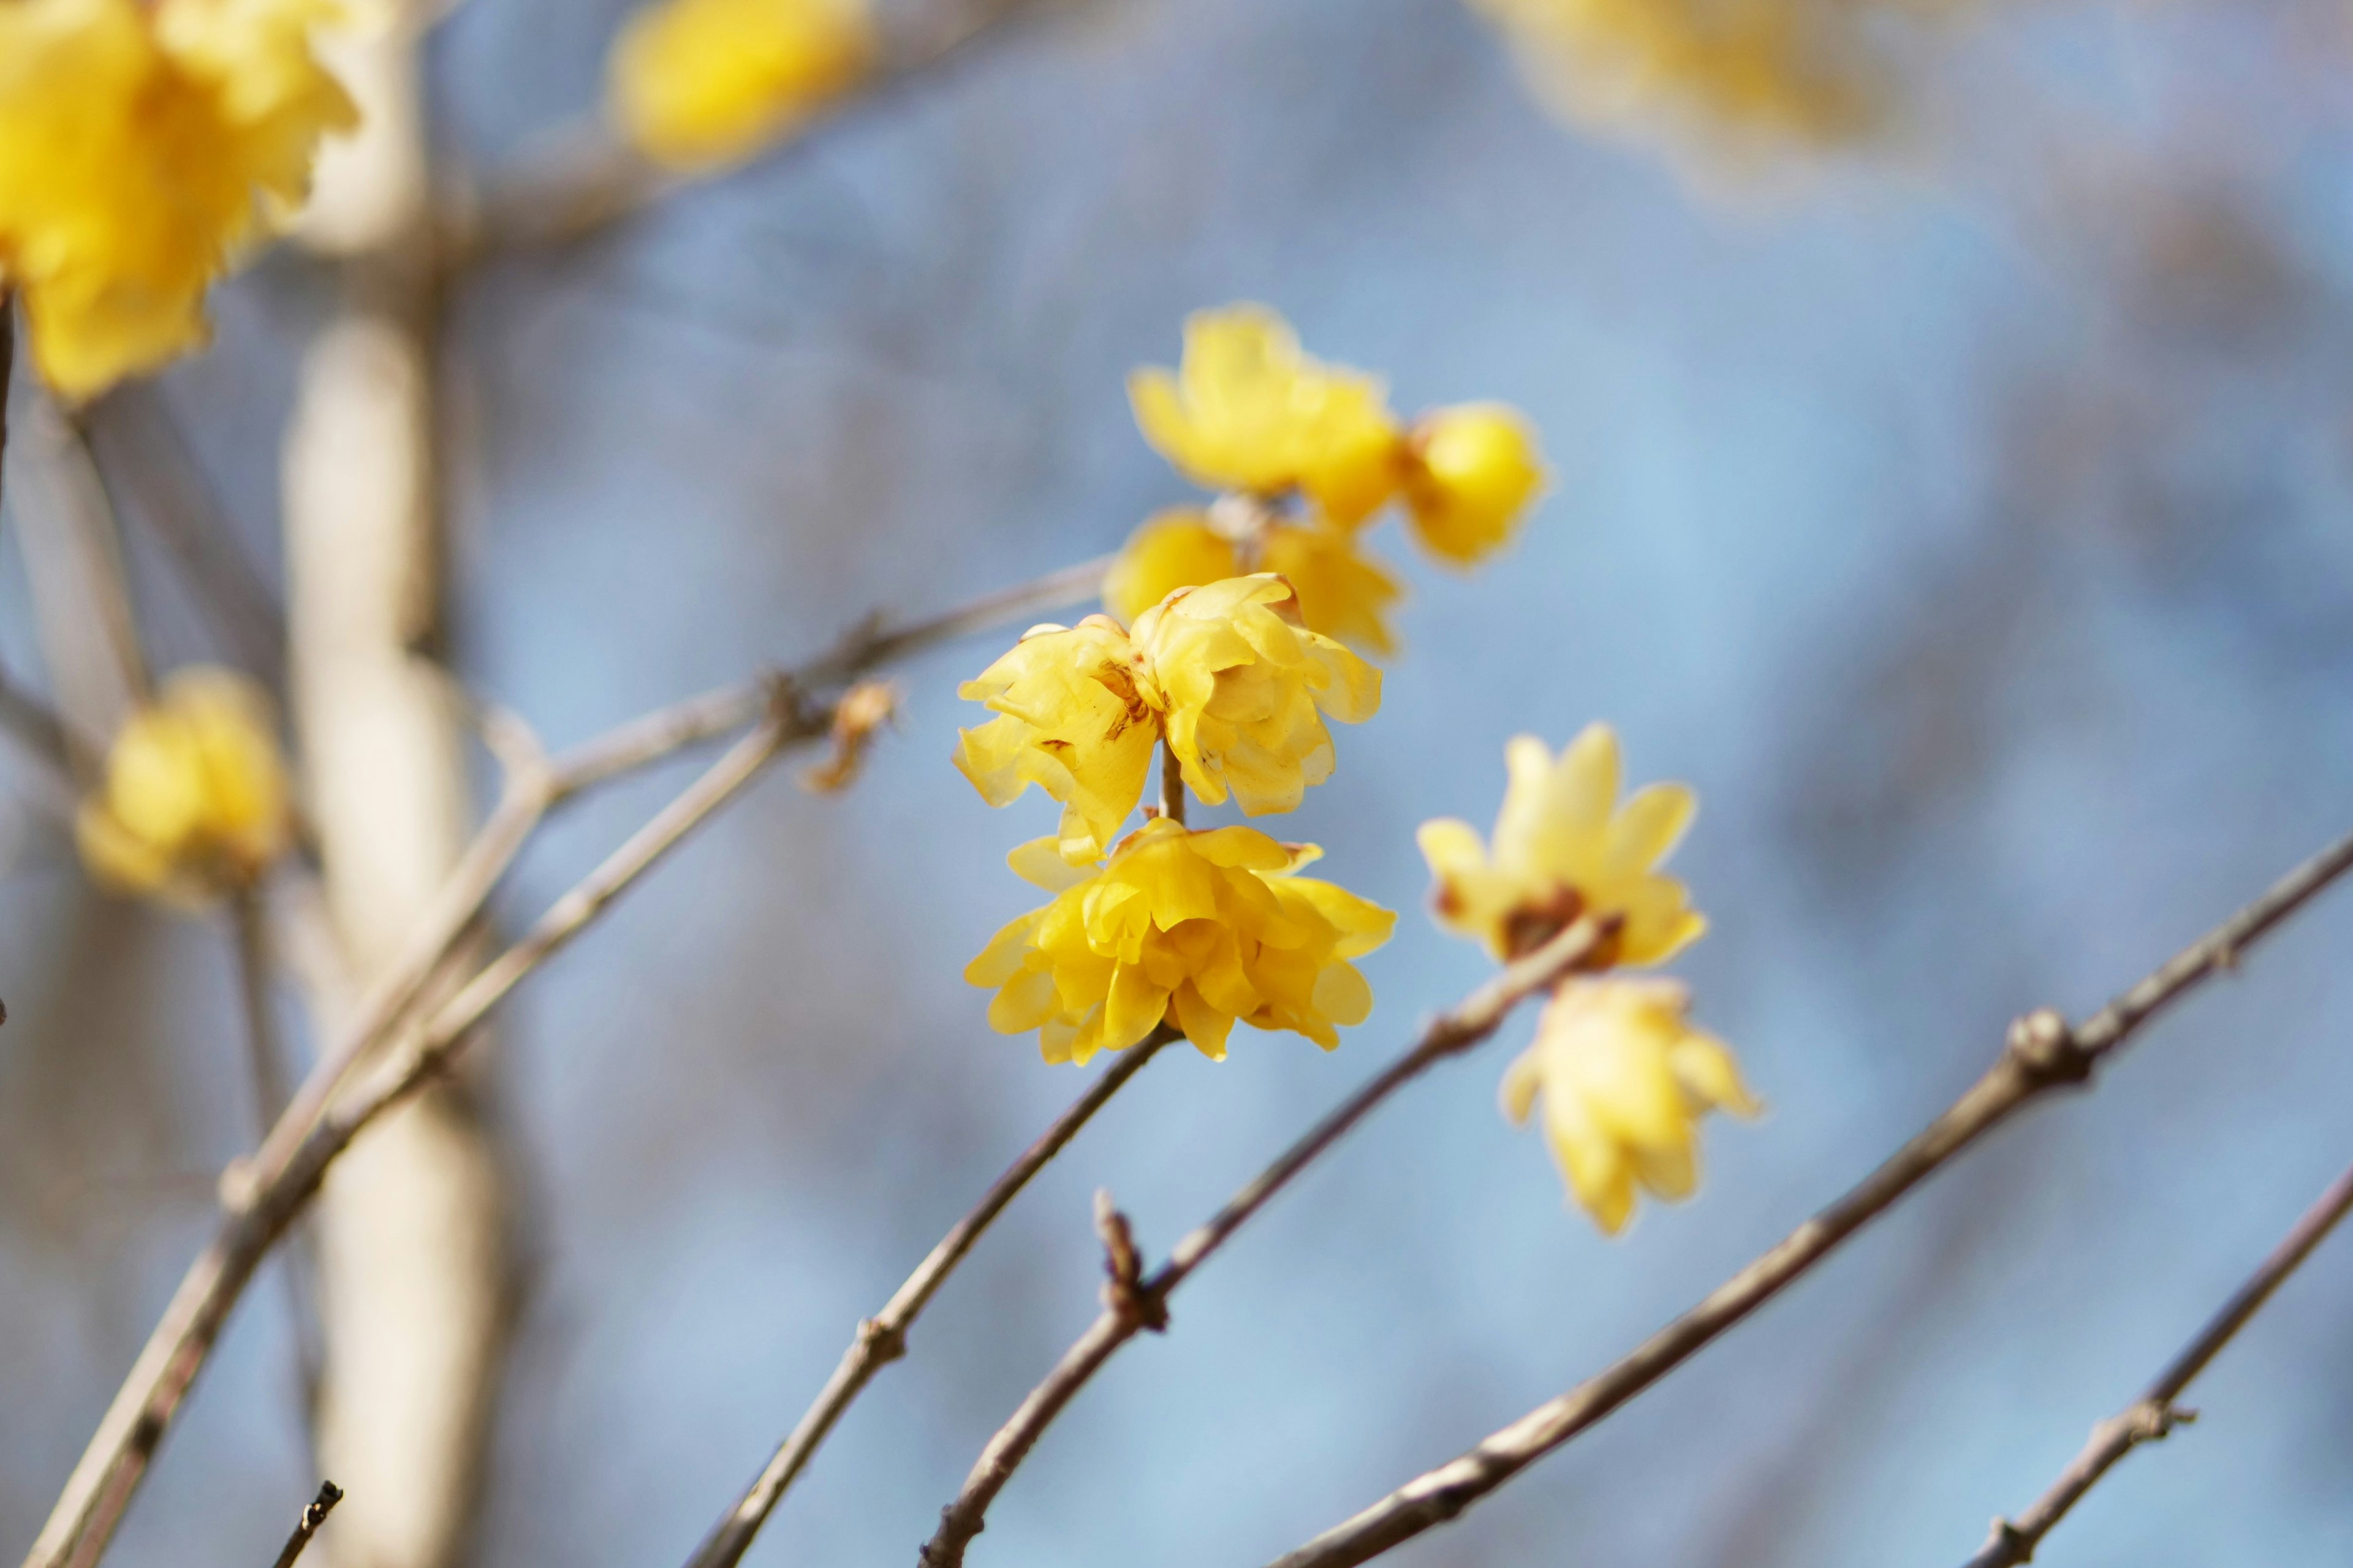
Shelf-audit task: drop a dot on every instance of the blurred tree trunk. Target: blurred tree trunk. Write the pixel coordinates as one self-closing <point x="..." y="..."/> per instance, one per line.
<point x="412" y="1245"/>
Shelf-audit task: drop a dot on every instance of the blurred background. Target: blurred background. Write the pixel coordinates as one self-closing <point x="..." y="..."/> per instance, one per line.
<point x="1966" y="512"/>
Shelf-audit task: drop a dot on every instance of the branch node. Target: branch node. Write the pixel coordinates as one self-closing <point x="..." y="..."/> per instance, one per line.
<point x="1124" y="1292"/>
<point x="2007" y="1543"/>
<point x="2043" y="1044"/>
<point x="884" y="1342"/>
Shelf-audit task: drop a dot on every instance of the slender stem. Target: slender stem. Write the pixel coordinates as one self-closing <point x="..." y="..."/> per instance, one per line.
<point x="2155" y="1414"/>
<point x="1129" y="1312"/>
<point x="882" y="1338"/>
<point x="8" y="365"/>
<point x="1171" y="785"/>
<point x="313" y="1516"/>
<point x="2041" y="1054"/>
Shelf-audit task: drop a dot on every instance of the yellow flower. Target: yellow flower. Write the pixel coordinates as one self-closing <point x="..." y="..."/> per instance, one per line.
<point x="1074" y="719"/>
<point x="1725" y="71"/>
<point x="698" y="84"/>
<point x="1624" y="1081"/>
<point x="1250" y="411"/>
<point x="195" y="798"/>
<point x="1563" y="846"/>
<point x="142" y="148"/>
<point x="1344" y="592"/>
<point x="1471" y="473"/>
<point x="1244" y="688"/>
<point x="1198" y="929"/>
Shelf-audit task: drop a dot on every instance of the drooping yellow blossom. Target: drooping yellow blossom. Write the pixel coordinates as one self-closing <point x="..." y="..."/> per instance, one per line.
<point x="1199" y="928"/>
<point x="1074" y="720"/>
<point x="698" y="84"/>
<point x="1249" y="410"/>
<point x="1226" y="673"/>
<point x="142" y="148"/>
<point x="195" y="799"/>
<point x="1244" y="688"/>
<point x="1624" y="1080"/>
<point x="1734" y="74"/>
<point x="1344" y="590"/>
<point x="1471" y="472"/>
<point x="1564" y="847"/>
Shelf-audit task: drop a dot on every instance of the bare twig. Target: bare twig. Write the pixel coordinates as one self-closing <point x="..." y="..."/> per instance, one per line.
<point x="313" y="1516"/>
<point x="2041" y="1054"/>
<point x="882" y="1338"/>
<point x="1144" y="1304"/>
<point x="265" y="1200"/>
<point x="2155" y="1414"/>
<point x="1172" y="785"/>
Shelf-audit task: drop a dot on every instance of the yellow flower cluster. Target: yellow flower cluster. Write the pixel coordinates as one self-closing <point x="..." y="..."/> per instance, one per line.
<point x="1225" y="674"/>
<point x="1191" y="928"/>
<point x="1728" y="74"/>
<point x="695" y="85"/>
<point x="1624" y="1080"/>
<point x="1250" y="414"/>
<point x="1200" y="929"/>
<point x="142" y="148"/>
<point x="194" y="800"/>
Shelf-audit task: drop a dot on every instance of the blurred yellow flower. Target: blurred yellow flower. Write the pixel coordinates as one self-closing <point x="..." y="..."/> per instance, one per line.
<point x="1470" y="476"/>
<point x="1344" y="590"/>
<point x="1735" y="73"/>
<point x="1244" y="688"/>
<point x="1624" y="1080"/>
<point x="142" y="148"/>
<point x="698" y="84"/>
<point x="1565" y="847"/>
<point x="1074" y="719"/>
<point x="194" y="800"/>
<point x="1199" y="928"/>
<point x="1248" y="410"/>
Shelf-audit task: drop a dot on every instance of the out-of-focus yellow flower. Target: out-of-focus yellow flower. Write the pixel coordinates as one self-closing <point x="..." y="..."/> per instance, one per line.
<point x="1198" y="929"/>
<point x="1624" y="1078"/>
<point x="1344" y="590"/>
<point x="698" y="84"/>
<point x="1565" y="847"/>
<point x="142" y="148"/>
<point x="1728" y="72"/>
<point x="1471" y="474"/>
<point x="1074" y="720"/>
<point x="1244" y="688"/>
<point x="1249" y="410"/>
<point x="195" y="799"/>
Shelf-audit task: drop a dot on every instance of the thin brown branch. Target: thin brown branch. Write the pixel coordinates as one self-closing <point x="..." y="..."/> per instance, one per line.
<point x="269" y="1195"/>
<point x="1172" y="785"/>
<point x="2155" y="1412"/>
<point x="1145" y="1304"/>
<point x="313" y="1516"/>
<point x="584" y="184"/>
<point x="2041" y="1054"/>
<point x="882" y="1338"/>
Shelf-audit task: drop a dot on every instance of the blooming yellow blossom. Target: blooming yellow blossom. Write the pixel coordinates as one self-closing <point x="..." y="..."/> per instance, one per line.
<point x="1197" y="929"/>
<point x="141" y="147"/>
<point x="1564" y="847"/>
<point x="1471" y="473"/>
<point x="698" y="84"/>
<point x="195" y="798"/>
<point x="1723" y="72"/>
<point x="1624" y="1080"/>
<point x="1344" y="590"/>
<point x="1249" y="410"/>
<point x="1073" y="719"/>
<point x="1244" y="688"/>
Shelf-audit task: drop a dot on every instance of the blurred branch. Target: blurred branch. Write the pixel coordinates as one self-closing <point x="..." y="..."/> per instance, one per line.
<point x="1132" y="1305"/>
<point x="313" y="1516"/>
<point x="582" y="182"/>
<point x="262" y="1196"/>
<point x="141" y="447"/>
<point x="2041" y="1054"/>
<point x="2154" y="1413"/>
<point x="882" y="1338"/>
